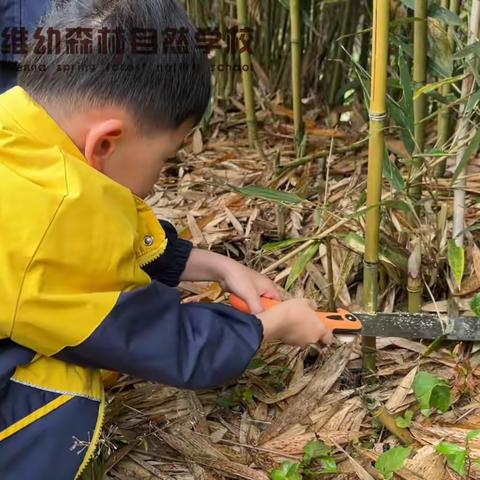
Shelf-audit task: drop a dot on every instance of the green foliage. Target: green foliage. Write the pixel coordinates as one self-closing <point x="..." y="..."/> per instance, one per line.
<point x="406" y="420"/>
<point x="475" y="305"/>
<point x="300" y="265"/>
<point x="456" y="456"/>
<point x="456" y="260"/>
<point x="471" y="150"/>
<point x="256" y="363"/>
<point x="392" y="461"/>
<point x="393" y="174"/>
<point x="240" y="394"/>
<point x="315" y="450"/>
<point x="269" y="194"/>
<point x="317" y="459"/>
<point x="432" y="393"/>
<point x="437" y="11"/>
<point x="276" y="246"/>
<point x="287" y="471"/>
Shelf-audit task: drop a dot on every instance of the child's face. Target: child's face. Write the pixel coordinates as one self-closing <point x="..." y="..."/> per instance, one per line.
<point x="131" y="159"/>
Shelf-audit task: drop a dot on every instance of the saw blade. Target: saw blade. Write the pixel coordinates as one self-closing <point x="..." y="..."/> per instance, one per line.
<point x="419" y="326"/>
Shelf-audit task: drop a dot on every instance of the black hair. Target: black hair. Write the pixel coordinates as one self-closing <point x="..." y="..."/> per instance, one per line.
<point x="138" y="54"/>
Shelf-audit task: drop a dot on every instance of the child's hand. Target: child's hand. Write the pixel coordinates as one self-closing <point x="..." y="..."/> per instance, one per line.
<point x="234" y="277"/>
<point x="296" y="323"/>
<point x="249" y="285"/>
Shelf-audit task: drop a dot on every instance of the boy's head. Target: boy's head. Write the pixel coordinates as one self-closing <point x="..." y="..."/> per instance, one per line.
<point x="126" y="82"/>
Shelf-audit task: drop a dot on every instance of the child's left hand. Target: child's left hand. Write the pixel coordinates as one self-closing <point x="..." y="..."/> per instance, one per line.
<point x="249" y="285"/>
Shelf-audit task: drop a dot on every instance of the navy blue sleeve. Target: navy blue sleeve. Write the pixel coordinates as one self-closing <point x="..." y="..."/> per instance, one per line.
<point x="151" y="335"/>
<point x="169" y="267"/>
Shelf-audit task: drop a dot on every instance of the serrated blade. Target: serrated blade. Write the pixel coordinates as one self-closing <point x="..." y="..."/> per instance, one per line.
<point x="419" y="326"/>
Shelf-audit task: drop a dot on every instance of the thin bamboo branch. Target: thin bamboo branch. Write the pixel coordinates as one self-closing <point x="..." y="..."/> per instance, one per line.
<point x="246" y="62"/>
<point x="445" y="114"/>
<point x="296" y="45"/>
<point x="376" y="154"/>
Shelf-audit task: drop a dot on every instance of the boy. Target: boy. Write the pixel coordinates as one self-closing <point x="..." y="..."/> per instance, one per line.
<point x="88" y="273"/>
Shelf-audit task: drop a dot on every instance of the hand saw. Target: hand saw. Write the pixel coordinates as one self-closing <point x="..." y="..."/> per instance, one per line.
<point x="403" y="325"/>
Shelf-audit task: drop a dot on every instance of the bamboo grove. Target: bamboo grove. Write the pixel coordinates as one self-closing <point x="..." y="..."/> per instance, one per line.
<point x="405" y="74"/>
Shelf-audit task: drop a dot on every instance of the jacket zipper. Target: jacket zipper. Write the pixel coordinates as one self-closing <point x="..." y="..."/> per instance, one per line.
<point x="92" y="448"/>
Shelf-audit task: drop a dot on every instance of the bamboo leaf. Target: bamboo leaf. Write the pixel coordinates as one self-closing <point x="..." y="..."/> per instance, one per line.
<point x="472" y="102"/>
<point x="400" y="118"/>
<point x="473" y="48"/>
<point x="469" y="152"/>
<point x="392" y="173"/>
<point x="436" y="85"/>
<point x="300" y="265"/>
<point x="437" y="11"/>
<point x="450" y="18"/>
<point x="275" y="246"/>
<point x="406" y="80"/>
<point x="456" y="260"/>
<point x="387" y="254"/>
<point x="268" y="194"/>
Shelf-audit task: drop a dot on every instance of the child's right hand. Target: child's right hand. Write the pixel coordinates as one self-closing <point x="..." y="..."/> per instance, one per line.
<point x="294" y="322"/>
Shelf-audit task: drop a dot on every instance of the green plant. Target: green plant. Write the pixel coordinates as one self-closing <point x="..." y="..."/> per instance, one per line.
<point x="240" y="394"/>
<point x="475" y="304"/>
<point x="406" y="420"/>
<point x="393" y="460"/>
<point x="317" y="459"/>
<point x="458" y="458"/>
<point x="432" y="393"/>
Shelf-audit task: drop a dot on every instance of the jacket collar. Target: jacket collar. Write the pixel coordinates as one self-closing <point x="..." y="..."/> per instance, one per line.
<point x="28" y="117"/>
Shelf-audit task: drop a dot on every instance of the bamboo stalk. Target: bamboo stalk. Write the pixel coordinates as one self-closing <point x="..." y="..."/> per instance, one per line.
<point x="445" y="114"/>
<point x="376" y="154"/>
<point x="247" y="77"/>
<point x="296" y="45"/>
<point x="420" y="45"/>
<point x="461" y="182"/>
<point x="339" y="56"/>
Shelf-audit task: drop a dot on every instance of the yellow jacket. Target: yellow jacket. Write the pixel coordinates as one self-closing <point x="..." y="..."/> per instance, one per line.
<point x="84" y="287"/>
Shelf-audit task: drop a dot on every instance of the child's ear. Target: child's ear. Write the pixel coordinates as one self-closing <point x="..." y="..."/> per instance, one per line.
<point x="102" y="141"/>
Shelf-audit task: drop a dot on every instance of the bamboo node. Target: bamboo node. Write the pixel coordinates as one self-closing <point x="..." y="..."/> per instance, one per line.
<point x="377" y="117"/>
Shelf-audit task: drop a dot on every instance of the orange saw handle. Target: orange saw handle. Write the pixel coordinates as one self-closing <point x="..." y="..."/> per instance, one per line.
<point x="340" y="321"/>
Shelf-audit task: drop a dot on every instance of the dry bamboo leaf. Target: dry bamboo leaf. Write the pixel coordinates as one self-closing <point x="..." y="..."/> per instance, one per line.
<point x="476" y="260"/>
<point x="359" y="470"/>
<point x="428" y="464"/>
<point x="400" y="394"/>
<point x="323" y="380"/>
<point x="198" y="450"/>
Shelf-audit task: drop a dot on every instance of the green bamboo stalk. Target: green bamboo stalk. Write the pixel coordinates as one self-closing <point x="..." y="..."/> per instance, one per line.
<point x="247" y="77"/>
<point x="461" y="182"/>
<point x="420" y="46"/>
<point x="339" y="56"/>
<point x="296" y="45"/>
<point x="221" y="60"/>
<point x="378" y="108"/>
<point x="444" y="121"/>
